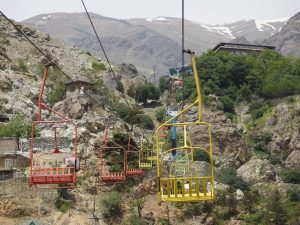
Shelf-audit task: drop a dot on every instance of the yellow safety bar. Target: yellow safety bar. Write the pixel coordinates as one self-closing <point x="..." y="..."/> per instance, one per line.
<point x="193" y="187"/>
<point x="145" y="156"/>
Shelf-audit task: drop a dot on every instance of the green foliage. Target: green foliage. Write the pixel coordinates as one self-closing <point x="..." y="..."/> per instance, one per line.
<point x="294" y="194"/>
<point x="160" y="114"/>
<point x="17" y="127"/>
<point x="146" y="122"/>
<point x="120" y="86"/>
<point x="98" y="66"/>
<point x="229" y="176"/>
<point x="122" y="110"/>
<point x="164" y="84"/>
<point x="120" y="138"/>
<point x="62" y="205"/>
<point x="290" y="176"/>
<point x="201" y="156"/>
<point x="139" y="204"/>
<point x="261" y="141"/>
<point x="228" y="104"/>
<point x="112" y="205"/>
<point x="147" y="91"/>
<point x="57" y="94"/>
<point x="22" y="66"/>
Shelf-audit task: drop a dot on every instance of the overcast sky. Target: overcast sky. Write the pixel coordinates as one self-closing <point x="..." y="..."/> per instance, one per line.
<point x="204" y="11"/>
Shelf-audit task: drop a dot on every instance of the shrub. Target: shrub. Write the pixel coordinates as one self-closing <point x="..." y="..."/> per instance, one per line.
<point x="122" y="109"/>
<point x="120" y="138"/>
<point x="146" y="122"/>
<point x="144" y="92"/>
<point x="17" y="127"/>
<point x="294" y="195"/>
<point x="22" y="66"/>
<point x="120" y="86"/>
<point x="160" y="114"/>
<point x="201" y="156"/>
<point x="112" y="205"/>
<point x="62" y="205"/>
<point x="290" y="176"/>
<point x="229" y="176"/>
<point x="57" y="94"/>
<point x="228" y="104"/>
<point x="98" y="66"/>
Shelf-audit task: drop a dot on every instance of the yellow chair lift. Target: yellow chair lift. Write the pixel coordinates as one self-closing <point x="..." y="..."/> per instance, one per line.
<point x="180" y="179"/>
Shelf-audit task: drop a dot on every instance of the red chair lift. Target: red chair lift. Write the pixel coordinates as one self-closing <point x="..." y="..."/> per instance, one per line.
<point x="114" y="151"/>
<point x="131" y="152"/>
<point x="52" y="176"/>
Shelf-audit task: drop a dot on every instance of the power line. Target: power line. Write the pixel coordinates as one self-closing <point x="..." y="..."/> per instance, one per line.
<point x="101" y="45"/>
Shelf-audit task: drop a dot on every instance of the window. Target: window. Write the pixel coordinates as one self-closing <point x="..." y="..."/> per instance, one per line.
<point x="9" y="163"/>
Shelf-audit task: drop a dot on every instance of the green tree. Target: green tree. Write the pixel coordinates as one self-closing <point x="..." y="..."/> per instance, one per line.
<point x="146" y="122"/>
<point x="139" y="204"/>
<point x="160" y="114"/>
<point x="164" y="84"/>
<point x="146" y="92"/>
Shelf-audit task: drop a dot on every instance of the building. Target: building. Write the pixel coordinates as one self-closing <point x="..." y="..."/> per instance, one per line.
<point x="174" y="72"/>
<point x="9" y="156"/>
<point x="78" y="87"/>
<point x="241" y="49"/>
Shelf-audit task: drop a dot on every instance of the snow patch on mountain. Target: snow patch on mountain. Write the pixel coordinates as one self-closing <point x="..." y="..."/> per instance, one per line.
<point x="46" y="17"/>
<point x="263" y="25"/>
<point x="159" y="18"/>
<point x="223" y="30"/>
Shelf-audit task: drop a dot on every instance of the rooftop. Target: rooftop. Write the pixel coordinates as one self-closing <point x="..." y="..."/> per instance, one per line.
<point x="224" y="45"/>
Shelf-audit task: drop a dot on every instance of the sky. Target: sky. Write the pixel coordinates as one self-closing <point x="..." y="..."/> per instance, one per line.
<point x="203" y="11"/>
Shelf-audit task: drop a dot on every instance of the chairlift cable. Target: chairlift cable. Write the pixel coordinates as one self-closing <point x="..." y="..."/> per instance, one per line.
<point x="104" y="52"/>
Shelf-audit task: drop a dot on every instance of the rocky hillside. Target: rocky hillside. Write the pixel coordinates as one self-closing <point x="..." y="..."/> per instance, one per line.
<point x="148" y="42"/>
<point x="287" y="41"/>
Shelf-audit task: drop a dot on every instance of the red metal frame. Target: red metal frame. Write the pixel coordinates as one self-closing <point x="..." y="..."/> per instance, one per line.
<point x="106" y="176"/>
<point x="60" y="177"/>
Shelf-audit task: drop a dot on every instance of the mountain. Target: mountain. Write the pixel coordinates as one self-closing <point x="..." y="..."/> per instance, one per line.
<point x="148" y="42"/>
<point x="287" y="41"/>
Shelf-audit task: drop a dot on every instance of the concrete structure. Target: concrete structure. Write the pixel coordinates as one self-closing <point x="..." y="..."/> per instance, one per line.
<point x="78" y="87"/>
<point x="241" y="49"/>
<point x="9" y="157"/>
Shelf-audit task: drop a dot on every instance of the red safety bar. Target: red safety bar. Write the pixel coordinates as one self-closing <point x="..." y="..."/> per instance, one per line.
<point x="114" y="150"/>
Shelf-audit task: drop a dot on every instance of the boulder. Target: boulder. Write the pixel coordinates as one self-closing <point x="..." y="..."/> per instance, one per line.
<point x="257" y="170"/>
<point x="5" y="84"/>
<point x="239" y="194"/>
<point x="293" y="160"/>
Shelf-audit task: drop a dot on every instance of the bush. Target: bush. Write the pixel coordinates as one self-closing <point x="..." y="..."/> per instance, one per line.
<point x="22" y="66"/>
<point x="122" y="110"/>
<point x="135" y="220"/>
<point x="201" y="156"/>
<point x="228" y="104"/>
<point x="294" y="195"/>
<point x="112" y="205"/>
<point x="146" y="122"/>
<point x="62" y="205"/>
<point x="17" y="127"/>
<point x="57" y="94"/>
<point x="120" y="138"/>
<point x="290" y="176"/>
<point x="98" y="66"/>
<point x="147" y="91"/>
<point x="120" y="86"/>
<point x="229" y="176"/>
<point x="160" y="114"/>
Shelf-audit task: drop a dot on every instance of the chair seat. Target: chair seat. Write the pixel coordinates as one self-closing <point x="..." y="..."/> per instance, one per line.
<point x="134" y="172"/>
<point x="113" y="177"/>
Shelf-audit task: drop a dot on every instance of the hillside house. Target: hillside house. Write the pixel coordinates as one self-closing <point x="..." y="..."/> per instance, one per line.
<point x="78" y="87"/>
<point x="241" y="49"/>
<point x="10" y="157"/>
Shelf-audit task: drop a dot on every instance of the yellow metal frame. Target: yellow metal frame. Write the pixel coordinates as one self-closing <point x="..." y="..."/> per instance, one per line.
<point x="191" y="188"/>
<point x="145" y="153"/>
